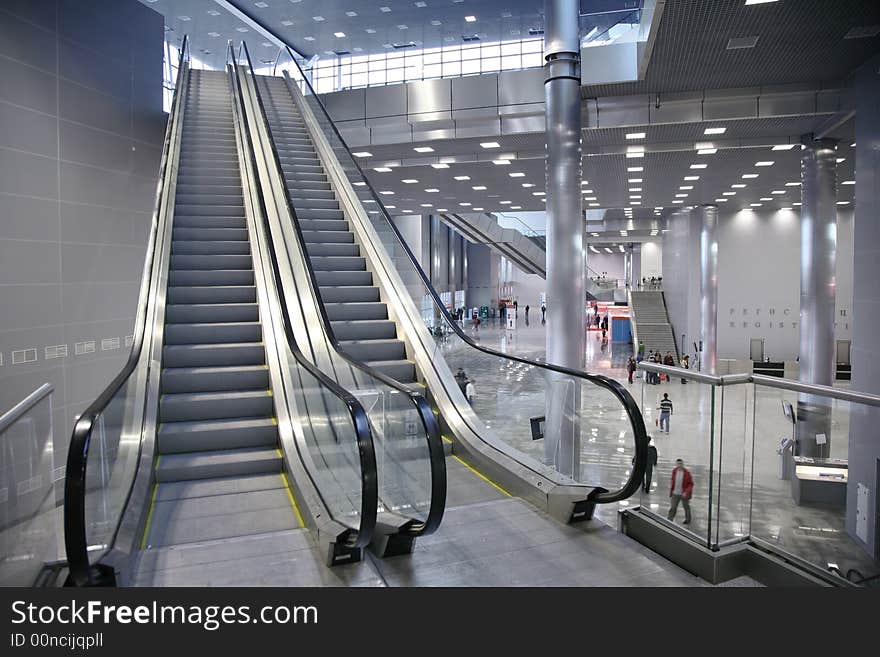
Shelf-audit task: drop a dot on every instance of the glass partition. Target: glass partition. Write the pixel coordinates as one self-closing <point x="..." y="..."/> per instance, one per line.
<point x="28" y="518"/>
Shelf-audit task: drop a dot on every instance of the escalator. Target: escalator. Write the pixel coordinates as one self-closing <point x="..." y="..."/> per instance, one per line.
<point x="381" y="309"/>
<point x="218" y="441"/>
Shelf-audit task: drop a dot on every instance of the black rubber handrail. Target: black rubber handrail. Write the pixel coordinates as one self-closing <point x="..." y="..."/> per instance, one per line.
<point x="436" y="454"/>
<point x="640" y="435"/>
<point x="363" y="432"/>
<point x="75" y="540"/>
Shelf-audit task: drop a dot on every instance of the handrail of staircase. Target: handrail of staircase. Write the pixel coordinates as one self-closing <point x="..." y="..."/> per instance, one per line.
<point x="423" y="408"/>
<point x="640" y="435"/>
<point x="363" y="433"/>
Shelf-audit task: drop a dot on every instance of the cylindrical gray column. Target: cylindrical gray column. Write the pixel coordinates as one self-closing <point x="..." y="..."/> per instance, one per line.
<point x="818" y="263"/>
<point x="709" y="287"/>
<point x="566" y="284"/>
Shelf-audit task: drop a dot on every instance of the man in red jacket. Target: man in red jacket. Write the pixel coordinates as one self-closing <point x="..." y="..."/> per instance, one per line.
<point x="681" y="487"/>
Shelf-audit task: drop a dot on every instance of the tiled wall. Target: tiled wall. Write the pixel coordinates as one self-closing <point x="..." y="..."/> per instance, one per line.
<point x="81" y="128"/>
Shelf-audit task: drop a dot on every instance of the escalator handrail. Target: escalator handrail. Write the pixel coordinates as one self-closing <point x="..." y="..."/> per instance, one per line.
<point x="359" y="418"/>
<point x="640" y="434"/>
<point x="429" y="421"/>
<point x="75" y="540"/>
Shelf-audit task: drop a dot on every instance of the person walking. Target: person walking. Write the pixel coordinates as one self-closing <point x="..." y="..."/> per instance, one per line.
<point x="665" y="411"/>
<point x="461" y="379"/>
<point x="543" y="313"/>
<point x="631" y="368"/>
<point x="649" y="466"/>
<point x="681" y="487"/>
<point x="515" y="308"/>
<point x="470" y="391"/>
<point x="685" y="364"/>
<point x="527" y="314"/>
<point x="641" y="354"/>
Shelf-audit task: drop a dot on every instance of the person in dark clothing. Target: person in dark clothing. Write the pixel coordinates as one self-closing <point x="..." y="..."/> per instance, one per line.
<point x="543" y="313"/>
<point x="631" y="368"/>
<point x="461" y="379"/>
<point x="527" y="313"/>
<point x="649" y="466"/>
<point x="515" y="307"/>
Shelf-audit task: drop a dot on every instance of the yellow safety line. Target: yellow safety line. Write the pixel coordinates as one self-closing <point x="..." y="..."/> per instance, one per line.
<point x="150" y="511"/>
<point x="481" y="476"/>
<point x="296" y="511"/>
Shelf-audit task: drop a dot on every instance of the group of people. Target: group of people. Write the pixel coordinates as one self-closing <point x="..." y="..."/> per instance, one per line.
<point x="681" y="484"/>
<point x="466" y="384"/>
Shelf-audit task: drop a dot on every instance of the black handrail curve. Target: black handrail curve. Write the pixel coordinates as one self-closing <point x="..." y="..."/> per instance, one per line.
<point x="364" y="436"/>
<point x="640" y="435"/>
<point x="75" y="540"/>
<point x="436" y="454"/>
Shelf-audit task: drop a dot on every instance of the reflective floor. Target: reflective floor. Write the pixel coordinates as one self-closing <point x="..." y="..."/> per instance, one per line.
<point x="748" y="497"/>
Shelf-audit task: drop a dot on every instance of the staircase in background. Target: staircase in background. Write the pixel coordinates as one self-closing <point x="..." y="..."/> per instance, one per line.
<point x="651" y="323"/>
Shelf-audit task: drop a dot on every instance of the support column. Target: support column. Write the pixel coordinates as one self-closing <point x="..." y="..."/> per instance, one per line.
<point x="566" y="284"/>
<point x="709" y="287"/>
<point x="818" y="263"/>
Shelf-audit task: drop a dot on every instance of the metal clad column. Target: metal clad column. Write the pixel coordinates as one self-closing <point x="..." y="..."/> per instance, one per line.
<point x="566" y="263"/>
<point x="818" y="261"/>
<point x="709" y="287"/>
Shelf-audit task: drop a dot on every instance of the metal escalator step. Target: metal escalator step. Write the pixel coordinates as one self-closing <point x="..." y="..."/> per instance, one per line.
<point x="204" y="277"/>
<point x="317" y="214"/>
<point x="212" y="294"/>
<point x="355" y="311"/>
<point x="230" y="261"/>
<point x="191" y="406"/>
<point x="213" y="355"/>
<point x="333" y="249"/>
<point x="211" y="312"/>
<point x="399" y="370"/>
<point x="186" y="233"/>
<point x="189" y="209"/>
<point x="219" y="463"/>
<point x="210" y="247"/>
<point x="320" y="225"/>
<point x="214" y="379"/>
<point x="363" y="329"/>
<point x="369" y="350"/>
<point x="343" y="278"/>
<point x="206" y="221"/>
<point x="213" y="332"/>
<point x="328" y="236"/>
<point x="212" y="435"/>
<point x="349" y="293"/>
<point x="338" y="263"/>
<point x="209" y="199"/>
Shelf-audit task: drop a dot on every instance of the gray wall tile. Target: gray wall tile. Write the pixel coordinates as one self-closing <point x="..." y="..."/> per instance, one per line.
<point x="89" y="107"/>
<point x="27" y="262"/>
<point x="26" y="218"/>
<point x="25" y="85"/>
<point x="79" y="65"/>
<point x="32" y="175"/>
<point x="95" y="147"/>
<point x="41" y="13"/>
<point x="100" y="263"/>
<point x="28" y="130"/>
<point x="88" y="223"/>
<point x="30" y="305"/>
<point x="27" y="43"/>
<point x="88" y="302"/>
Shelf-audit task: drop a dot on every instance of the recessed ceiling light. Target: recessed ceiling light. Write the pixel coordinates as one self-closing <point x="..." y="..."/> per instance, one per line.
<point x="318" y="19"/>
<point x="309" y="38"/>
<point x="213" y="12"/>
<point x="370" y="30"/>
<point x="478" y="209"/>
<point x="527" y="185"/>
<point x="635" y="180"/>
<point x="462" y="177"/>
<point x="848" y="182"/>
<point x="766" y="198"/>
<point x="756" y="205"/>
<point x="504" y="202"/>
<point x="516" y="174"/>
<point x="594" y="205"/>
<point x="421" y="5"/>
<point x="635" y="196"/>
<point x="442" y="210"/>
<point x="691" y="177"/>
<point x="739" y="186"/>
<point x="426" y="205"/>
<point x="634" y="156"/>
<point x="500" y="162"/>
<point x="721" y="200"/>
<point x="749" y="176"/>
<point x="184" y="18"/>
<point x="728" y="193"/>
<point x="423" y="149"/>
<point x="714" y="131"/>
<point x="738" y="43"/>
<point x="387" y="193"/>
<point x="635" y="135"/>
<point x="793" y="184"/>
<point x="699" y="166"/>
<point x="362" y="154"/>
<point x="432" y="190"/>
<point x="339" y="35"/>
<point x="516" y="207"/>
<point x="635" y="202"/>
<point x="795" y="203"/>
<point x="681" y="196"/>
<point x="470" y="19"/>
<point x="382" y="169"/>
<point x="589" y="198"/>
<point x="758" y="2"/>
<point x="778" y="191"/>
<point x="538" y="193"/>
<point x="440" y="165"/>
<point x="385" y="10"/>
<point x="707" y="151"/>
<point x="843" y="203"/>
<point x="678" y="201"/>
<point x="351" y="14"/>
<point x="213" y="34"/>
<point x="406" y="210"/>
<point x="783" y="147"/>
<point x="241" y="29"/>
<point x="464" y="205"/>
<point x="634" y="189"/>
<point x="403" y="27"/>
<point x="635" y="169"/>
<point x="436" y="23"/>
<point x="360" y="184"/>
<point x="841" y="159"/>
<point x="686" y="187"/>
<point x="391" y="207"/>
<point x="490" y="144"/>
<point x="409" y="181"/>
<point x="764" y="163"/>
<point x="478" y="188"/>
<point x="261" y="5"/>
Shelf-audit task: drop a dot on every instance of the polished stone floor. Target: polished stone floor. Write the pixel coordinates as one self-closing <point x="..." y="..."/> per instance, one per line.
<point x="747" y="498"/>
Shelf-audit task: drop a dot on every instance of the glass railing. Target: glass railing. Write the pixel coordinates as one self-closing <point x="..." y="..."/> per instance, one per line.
<point x="336" y="444"/>
<point x="28" y="521"/>
<point x="105" y="447"/>
<point x="753" y="476"/>
<point x="595" y="410"/>
<point x="408" y="446"/>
